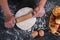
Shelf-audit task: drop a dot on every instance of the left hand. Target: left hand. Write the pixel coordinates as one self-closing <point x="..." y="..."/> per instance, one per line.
<point x="10" y="22"/>
<point x="39" y="11"/>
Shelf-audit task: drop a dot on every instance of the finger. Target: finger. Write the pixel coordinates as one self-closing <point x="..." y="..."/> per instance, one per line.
<point x="41" y="14"/>
<point x="10" y="25"/>
<point x="34" y="14"/>
<point x="7" y="25"/>
<point x="14" y="22"/>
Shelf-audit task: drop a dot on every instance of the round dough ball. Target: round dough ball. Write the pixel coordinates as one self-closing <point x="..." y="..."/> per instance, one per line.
<point x="41" y="33"/>
<point x="34" y="34"/>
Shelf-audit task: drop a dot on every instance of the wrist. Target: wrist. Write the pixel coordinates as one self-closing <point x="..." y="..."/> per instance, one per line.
<point x="41" y="6"/>
<point x="42" y="3"/>
<point x="8" y="18"/>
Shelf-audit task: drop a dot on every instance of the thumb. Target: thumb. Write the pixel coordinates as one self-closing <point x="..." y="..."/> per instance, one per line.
<point x="35" y="14"/>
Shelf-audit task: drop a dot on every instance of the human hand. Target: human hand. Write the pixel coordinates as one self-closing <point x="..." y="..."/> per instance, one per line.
<point x="9" y="22"/>
<point x="39" y="11"/>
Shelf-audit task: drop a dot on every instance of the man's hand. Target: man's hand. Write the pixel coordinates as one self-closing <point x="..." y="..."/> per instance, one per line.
<point x="9" y="22"/>
<point x="39" y="11"/>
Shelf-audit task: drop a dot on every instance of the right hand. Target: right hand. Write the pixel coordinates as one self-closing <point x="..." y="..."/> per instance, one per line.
<point x="39" y="11"/>
<point x="9" y="22"/>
